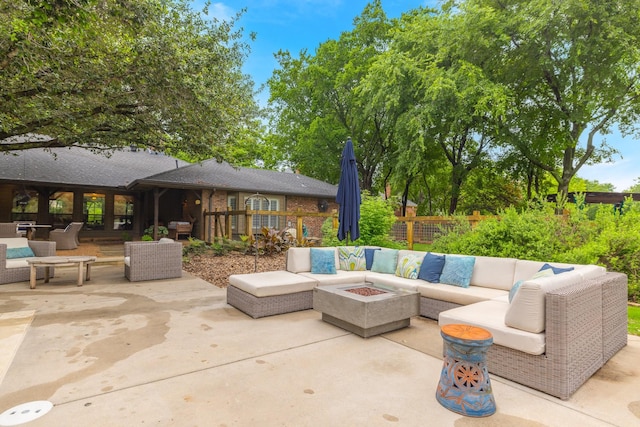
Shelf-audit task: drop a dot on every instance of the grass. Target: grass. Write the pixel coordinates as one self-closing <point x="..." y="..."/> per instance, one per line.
<point x="634" y="320"/>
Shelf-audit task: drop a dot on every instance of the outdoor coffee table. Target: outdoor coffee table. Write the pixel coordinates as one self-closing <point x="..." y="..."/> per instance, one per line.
<point x="366" y="309"/>
<point x="59" y="261"/>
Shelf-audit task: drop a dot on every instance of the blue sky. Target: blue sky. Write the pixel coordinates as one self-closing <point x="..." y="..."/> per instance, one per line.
<point x="294" y="25"/>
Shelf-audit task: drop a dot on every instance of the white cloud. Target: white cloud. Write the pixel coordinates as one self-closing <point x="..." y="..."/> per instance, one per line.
<point x="221" y="11"/>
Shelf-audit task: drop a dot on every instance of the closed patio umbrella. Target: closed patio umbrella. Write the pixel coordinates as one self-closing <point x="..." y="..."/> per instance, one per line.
<point x="348" y="196"/>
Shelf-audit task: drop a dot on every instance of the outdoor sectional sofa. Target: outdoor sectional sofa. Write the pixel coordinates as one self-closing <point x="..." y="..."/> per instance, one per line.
<point x="556" y="332"/>
<point x="13" y="254"/>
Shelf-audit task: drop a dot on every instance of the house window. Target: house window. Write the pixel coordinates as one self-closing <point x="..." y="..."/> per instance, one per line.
<point x="232" y="203"/>
<point x="93" y="209"/>
<point x="259" y="221"/>
<point x="25" y="205"/>
<point x="122" y="212"/>
<point x="61" y="208"/>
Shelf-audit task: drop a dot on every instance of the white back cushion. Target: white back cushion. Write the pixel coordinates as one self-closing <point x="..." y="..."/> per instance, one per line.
<point x="493" y="272"/>
<point x="298" y="260"/>
<point x="527" y="310"/>
<point x="15" y="242"/>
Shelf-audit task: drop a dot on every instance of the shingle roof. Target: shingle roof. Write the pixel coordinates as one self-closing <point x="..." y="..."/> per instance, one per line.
<point x="78" y="166"/>
<point x="127" y="169"/>
<point x="221" y="175"/>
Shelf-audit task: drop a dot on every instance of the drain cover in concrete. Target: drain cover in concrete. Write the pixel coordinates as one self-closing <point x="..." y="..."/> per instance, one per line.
<point x="25" y="412"/>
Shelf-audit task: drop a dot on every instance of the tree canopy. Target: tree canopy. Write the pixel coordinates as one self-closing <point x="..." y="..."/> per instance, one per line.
<point x="113" y="73"/>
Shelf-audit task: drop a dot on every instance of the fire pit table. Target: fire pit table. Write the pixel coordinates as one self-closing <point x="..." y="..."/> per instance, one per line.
<point x="366" y="309"/>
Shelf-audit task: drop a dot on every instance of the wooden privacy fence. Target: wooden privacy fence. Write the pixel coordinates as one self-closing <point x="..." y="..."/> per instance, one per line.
<point x="412" y="229"/>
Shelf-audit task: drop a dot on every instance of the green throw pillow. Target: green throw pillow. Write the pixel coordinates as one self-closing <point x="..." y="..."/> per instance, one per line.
<point x="385" y="261"/>
<point x="352" y="258"/>
<point x="409" y="266"/>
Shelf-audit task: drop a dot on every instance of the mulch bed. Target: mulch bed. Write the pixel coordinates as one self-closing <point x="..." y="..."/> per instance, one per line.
<point x="217" y="269"/>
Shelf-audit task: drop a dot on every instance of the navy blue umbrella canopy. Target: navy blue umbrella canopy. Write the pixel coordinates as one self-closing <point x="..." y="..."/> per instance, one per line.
<point x="348" y="196"/>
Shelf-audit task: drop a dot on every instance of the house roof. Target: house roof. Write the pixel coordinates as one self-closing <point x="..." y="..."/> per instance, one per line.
<point x="82" y="167"/>
<point x="223" y="176"/>
<point x="127" y="169"/>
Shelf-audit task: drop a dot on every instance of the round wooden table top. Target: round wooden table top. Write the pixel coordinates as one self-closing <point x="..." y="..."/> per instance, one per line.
<point x="466" y="332"/>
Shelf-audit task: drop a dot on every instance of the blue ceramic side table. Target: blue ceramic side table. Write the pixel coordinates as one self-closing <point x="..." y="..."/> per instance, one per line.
<point x="465" y="387"/>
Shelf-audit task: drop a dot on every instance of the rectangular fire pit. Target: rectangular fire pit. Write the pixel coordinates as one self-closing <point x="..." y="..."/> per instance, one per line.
<point x="366" y="309"/>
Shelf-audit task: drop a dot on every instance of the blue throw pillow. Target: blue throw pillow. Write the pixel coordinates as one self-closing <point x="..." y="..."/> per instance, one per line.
<point x="385" y="261"/>
<point x="457" y="270"/>
<point x="25" y="252"/>
<point x="431" y="268"/>
<point x="556" y="270"/>
<point x="323" y="261"/>
<point x="368" y="255"/>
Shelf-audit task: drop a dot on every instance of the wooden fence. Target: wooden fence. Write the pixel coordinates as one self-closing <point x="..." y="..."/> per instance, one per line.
<point x="412" y="229"/>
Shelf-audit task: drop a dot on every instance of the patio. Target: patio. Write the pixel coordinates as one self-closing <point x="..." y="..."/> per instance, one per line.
<point x="172" y="352"/>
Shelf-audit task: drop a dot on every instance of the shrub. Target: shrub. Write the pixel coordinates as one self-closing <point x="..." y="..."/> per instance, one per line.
<point x="376" y="219"/>
<point x="162" y="231"/>
<point x="589" y="235"/>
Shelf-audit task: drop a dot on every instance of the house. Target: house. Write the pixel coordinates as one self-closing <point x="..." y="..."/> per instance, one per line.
<point x="120" y="194"/>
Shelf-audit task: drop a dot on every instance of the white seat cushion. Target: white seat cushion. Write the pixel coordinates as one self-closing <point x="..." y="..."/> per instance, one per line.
<point x="392" y="280"/>
<point x="341" y="276"/>
<point x="456" y="294"/>
<point x="270" y="283"/>
<point x="17" y="263"/>
<point x="490" y="316"/>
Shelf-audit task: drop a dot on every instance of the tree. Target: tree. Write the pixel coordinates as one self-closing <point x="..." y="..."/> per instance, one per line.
<point x="635" y="188"/>
<point x="445" y="102"/>
<point x="579" y="185"/>
<point x="316" y="106"/>
<point x="572" y="69"/>
<point x="113" y="73"/>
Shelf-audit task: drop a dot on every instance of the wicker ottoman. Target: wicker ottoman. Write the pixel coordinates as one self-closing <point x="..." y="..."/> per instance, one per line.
<point x="270" y="293"/>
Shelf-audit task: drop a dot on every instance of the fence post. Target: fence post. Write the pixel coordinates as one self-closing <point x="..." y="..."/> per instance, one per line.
<point x="410" y="235"/>
<point x="248" y="222"/>
<point x="299" y="235"/>
<point x="227" y="224"/>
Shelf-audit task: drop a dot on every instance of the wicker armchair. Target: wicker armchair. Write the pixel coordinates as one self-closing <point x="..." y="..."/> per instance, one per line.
<point x="9" y="229"/>
<point x="152" y="260"/>
<point x="66" y="238"/>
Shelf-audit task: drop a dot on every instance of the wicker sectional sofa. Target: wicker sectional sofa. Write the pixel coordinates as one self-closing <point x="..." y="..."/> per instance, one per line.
<point x="556" y="332"/>
<point x="13" y="263"/>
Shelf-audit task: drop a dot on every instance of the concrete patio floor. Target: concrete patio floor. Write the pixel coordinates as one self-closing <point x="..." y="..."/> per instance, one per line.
<point x="173" y="353"/>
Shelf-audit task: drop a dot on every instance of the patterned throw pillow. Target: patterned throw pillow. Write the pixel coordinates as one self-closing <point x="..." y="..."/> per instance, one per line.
<point x="457" y="270"/>
<point x="352" y="258"/>
<point x="385" y="261"/>
<point x="431" y="267"/>
<point x="323" y="261"/>
<point x="516" y="286"/>
<point x="25" y="252"/>
<point x="409" y="266"/>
